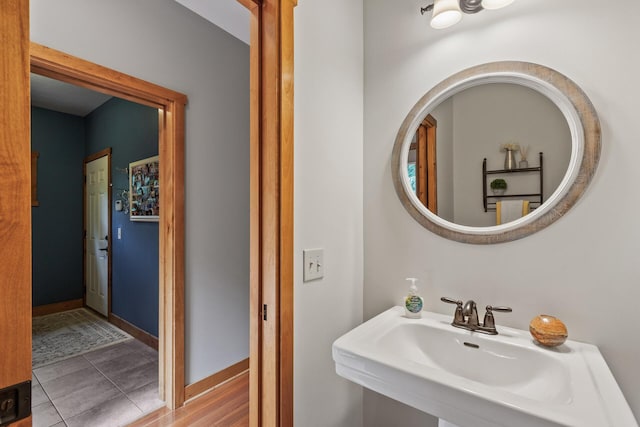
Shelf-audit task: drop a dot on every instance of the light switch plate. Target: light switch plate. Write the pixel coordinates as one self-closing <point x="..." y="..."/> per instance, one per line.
<point x="313" y="268"/>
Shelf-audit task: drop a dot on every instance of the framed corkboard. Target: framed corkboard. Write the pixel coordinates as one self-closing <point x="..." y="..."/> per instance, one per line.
<point x="144" y="194"/>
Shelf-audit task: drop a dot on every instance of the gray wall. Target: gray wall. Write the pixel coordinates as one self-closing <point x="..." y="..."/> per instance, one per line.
<point x="588" y="257"/>
<point x="327" y="205"/>
<point x="164" y="43"/>
<point x="57" y="221"/>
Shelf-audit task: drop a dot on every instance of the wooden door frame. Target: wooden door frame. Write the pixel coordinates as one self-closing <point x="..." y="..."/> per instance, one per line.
<point x="426" y="163"/>
<point x="271" y="201"/>
<point x="95" y="156"/>
<point x="15" y="197"/>
<point x="171" y="110"/>
<point x="271" y="178"/>
<point x="429" y="126"/>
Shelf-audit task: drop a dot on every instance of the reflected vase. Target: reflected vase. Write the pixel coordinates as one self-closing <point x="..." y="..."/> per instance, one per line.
<point x="510" y="160"/>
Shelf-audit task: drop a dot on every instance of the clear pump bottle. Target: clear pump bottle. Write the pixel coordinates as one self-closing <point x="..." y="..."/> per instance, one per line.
<point x="413" y="303"/>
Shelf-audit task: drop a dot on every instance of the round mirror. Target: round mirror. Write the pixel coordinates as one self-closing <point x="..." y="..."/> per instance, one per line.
<point x="496" y="152"/>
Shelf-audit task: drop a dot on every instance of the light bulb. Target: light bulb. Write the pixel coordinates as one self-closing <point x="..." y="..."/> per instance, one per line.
<point x="495" y="4"/>
<point x="445" y="13"/>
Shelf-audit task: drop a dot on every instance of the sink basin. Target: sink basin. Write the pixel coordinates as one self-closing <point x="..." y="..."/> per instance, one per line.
<point x="475" y="380"/>
<point x="513" y="368"/>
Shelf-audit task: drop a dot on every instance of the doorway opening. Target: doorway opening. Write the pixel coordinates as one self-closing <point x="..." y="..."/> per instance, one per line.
<point x="86" y="370"/>
<point x="170" y="105"/>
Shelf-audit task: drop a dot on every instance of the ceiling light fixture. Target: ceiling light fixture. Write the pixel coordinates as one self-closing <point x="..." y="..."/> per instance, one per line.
<point x="445" y="13"/>
<point x="449" y="12"/>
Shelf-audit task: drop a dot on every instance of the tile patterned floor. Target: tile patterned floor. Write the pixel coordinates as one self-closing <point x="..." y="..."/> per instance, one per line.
<point x="109" y="387"/>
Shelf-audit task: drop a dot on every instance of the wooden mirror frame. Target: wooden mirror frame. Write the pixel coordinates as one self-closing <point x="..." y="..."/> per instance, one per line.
<point x="586" y="145"/>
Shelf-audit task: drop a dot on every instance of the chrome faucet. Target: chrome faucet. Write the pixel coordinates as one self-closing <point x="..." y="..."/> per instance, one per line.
<point x="466" y="317"/>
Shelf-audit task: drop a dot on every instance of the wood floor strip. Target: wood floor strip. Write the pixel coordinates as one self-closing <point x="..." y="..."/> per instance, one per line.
<point x="225" y="406"/>
<point x="208" y="383"/>
<point x="150" y="418"/>
<point x="211" y="411"/>
<point x="228" y="413"/>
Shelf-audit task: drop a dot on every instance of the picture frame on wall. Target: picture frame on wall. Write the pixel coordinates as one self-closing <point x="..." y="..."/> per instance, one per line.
<point x="144" y="194"/>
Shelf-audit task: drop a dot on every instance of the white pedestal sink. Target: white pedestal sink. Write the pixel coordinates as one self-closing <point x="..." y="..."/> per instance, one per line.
<point x="474" y="380"/>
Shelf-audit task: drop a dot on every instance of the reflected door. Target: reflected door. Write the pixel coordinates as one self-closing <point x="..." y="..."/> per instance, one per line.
<point x="423" y="172"/>
<point x="97" y="234"/>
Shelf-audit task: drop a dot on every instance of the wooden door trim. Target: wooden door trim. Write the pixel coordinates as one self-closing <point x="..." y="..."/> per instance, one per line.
<point x="421" y="164"/>
<point x="426" y="164"/>
<point x="249" y="4"/>
<point x="61" y="66"/>
<point x="171" y="105"/>
<point x="15" y="197"/>
<point x="271" y="178"/>
<point x="95" y="156"/>
<point x="430" y="124"/>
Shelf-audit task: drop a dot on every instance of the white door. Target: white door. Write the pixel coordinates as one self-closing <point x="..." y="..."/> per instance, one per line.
<point x="97" y="234"/>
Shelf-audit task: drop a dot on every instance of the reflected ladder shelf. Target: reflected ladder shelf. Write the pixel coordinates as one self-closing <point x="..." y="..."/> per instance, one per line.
<point x="489" y="201"/>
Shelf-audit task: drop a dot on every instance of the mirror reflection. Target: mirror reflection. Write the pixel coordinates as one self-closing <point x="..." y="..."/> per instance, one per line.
<point x="489" y="154"/>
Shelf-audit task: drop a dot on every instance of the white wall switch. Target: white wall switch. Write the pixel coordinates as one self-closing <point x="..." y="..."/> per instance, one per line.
<point x="313" y="260"/>
<point x="119" y="233"/>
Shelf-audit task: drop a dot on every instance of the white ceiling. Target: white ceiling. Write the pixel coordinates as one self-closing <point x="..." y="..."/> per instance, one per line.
<point x="51" y="94"/>
<point x="64" y="97"/>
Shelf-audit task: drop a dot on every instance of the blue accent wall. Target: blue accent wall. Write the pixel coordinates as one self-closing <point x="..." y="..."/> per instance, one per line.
<point x="57" y="221"/>
<point x="131" y="130"/>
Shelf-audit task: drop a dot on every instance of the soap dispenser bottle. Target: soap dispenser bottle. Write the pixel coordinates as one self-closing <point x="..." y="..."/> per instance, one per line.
<point x="413" y="302"/>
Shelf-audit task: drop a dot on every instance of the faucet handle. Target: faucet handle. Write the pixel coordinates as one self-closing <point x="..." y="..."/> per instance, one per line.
<point x="458" y="317"/>
<point x="489" y="322"/>
<point x="451" y="301"/>
<point x="500" y="309"/>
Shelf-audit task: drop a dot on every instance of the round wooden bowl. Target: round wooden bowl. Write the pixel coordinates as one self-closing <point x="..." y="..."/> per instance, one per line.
<point x="548" y="330"/>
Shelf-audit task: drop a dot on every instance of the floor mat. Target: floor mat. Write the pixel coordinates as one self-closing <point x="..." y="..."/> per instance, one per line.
<point x="63" y="335"/>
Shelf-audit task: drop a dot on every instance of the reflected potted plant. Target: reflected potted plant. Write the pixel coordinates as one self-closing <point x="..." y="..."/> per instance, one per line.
<point x="498" y="186"/>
